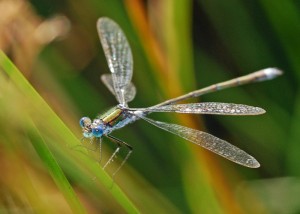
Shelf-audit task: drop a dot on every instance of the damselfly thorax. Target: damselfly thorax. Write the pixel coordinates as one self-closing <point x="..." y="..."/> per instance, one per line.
<point x="115" y="118"/>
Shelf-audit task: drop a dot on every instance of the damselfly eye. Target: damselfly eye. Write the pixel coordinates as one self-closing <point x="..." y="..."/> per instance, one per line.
<point x="97" y="131"/>
<point x="84" y="121"/>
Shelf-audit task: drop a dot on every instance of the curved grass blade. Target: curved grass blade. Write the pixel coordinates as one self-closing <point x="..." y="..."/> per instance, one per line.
<point x="54" y="169"/>
<point x="41" y="110"/>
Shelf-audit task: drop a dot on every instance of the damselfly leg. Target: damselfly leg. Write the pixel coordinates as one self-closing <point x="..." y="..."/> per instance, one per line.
<point x="120" y="144"/>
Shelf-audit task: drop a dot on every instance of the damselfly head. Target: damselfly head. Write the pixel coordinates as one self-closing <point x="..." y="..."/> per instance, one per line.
<point x="91" y="129"/>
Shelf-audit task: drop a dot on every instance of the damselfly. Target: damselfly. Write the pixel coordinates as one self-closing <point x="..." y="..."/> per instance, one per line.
<point x="119" y="57"/>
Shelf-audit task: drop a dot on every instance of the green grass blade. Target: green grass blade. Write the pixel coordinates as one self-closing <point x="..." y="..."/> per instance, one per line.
<point x="40" y="112"/>
<point x="54" y="169"/>
<point x="179" y="48"/>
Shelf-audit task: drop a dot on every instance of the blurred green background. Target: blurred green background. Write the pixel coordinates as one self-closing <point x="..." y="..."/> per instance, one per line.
<point x="178" y="46"/>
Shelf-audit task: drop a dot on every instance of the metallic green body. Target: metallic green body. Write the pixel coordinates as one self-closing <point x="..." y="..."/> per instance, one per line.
<point x="113" y="116"/>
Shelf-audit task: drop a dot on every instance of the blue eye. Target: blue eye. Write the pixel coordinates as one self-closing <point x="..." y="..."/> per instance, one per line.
<point x="97" y="131"/>
<point x="84" y="121"/>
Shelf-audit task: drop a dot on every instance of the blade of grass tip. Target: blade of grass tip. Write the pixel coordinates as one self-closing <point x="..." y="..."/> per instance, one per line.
<point x="62" y="131"/>
<point x="54" y="169"/>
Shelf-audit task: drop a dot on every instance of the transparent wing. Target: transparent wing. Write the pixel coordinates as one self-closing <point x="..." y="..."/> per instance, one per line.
<point x="118" y="55"/>
<point x="108" y="82"/>
<point x="130" y="91"/>
<point x="209" y="108"/>
<point x="209" y="142"/>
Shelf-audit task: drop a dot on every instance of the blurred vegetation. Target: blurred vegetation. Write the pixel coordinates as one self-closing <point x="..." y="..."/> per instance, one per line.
<point x="178" y="46"/>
